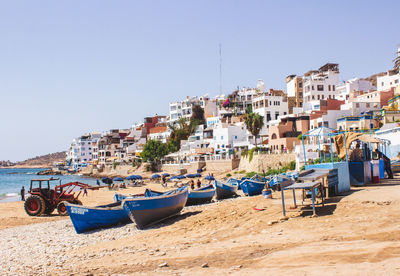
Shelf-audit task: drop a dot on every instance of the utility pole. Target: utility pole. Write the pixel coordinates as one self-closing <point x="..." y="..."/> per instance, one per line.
<point x="220" y="69"/>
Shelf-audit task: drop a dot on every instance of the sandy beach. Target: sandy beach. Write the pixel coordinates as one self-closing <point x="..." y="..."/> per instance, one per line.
<point x="354" y="234"/>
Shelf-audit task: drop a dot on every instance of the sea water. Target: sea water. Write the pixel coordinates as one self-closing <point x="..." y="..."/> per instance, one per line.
<point x="12" y="180"/>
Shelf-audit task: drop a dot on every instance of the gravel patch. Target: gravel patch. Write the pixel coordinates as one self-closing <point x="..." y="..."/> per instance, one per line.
<point x="43" y="247"/>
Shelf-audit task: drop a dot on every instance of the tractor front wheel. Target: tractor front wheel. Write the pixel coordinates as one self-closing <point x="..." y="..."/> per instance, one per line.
<point x="62" y="209"/>
<point x="34" y="205"/>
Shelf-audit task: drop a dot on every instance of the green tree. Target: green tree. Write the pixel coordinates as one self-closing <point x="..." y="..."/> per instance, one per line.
<point x="254" y="123"/>
<point x="179" y="131"/>
<point x="153" y="151"/>
<point x="197" y="118"/>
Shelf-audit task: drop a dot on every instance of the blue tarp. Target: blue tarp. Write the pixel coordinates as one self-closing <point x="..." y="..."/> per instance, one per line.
<point x="156" y="176"/>
<point x="209" y="177"/>
<point x="118" y="179"/>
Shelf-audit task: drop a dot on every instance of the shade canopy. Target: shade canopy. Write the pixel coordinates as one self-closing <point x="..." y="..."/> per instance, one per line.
<point x="134" y="177"/>
<point x="106" y="180"/>
<point x="118" y="179"/>
<point x="156" y="176"/>
<point x="209" y="177"/>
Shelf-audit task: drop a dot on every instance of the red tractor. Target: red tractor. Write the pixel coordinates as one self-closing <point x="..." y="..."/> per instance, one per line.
<point x="43" y="199"/>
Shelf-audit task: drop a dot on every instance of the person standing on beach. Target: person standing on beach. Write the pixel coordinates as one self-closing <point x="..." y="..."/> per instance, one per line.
<point x="198" y="183"/>
<point x="23" y="193"/>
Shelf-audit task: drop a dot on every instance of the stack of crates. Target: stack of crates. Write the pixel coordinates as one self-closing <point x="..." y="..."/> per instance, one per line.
<point x="333" y="182"/>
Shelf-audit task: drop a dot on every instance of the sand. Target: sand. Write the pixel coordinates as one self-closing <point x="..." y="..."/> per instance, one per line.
<point x="354" y="234"/>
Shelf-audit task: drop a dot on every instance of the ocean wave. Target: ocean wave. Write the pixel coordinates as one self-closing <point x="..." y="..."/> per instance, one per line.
<point x="9" y="195"/>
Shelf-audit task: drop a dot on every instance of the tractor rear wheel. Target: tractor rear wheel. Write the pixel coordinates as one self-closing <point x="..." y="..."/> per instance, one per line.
<point x="35" y="205"/>
<point x="62" y="209"/>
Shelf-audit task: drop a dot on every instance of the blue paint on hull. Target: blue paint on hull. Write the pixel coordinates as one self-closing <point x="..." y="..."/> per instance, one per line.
<point x="88" y="218"/>
<point x="148" y="210"/>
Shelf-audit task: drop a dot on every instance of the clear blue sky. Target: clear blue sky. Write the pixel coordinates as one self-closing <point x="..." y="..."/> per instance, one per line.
<point x="69" y="67"/>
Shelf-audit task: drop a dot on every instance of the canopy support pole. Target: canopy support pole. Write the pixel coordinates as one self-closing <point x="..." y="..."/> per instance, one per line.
<point x="330" y="140"/>
<point x="319" y="149"/>
<point x="345" y="146"/>
<point x="304" y="151"/>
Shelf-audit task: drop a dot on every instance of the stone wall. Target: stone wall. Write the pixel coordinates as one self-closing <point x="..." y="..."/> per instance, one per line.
<point x="120" y="170"/>
<point x="222" y="165"/>
<point x="262" y="162"/>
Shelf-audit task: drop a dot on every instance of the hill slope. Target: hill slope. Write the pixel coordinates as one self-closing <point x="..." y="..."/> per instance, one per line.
<point x="38" y="161"/>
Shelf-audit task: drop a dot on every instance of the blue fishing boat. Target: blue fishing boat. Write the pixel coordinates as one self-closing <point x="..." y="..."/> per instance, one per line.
<point x="149" y="210"/>
<point x="87" y="218"/>
<point x="279" y="182"/>
<point x="201" y="195"/>
<point x="252" y="187"/>
<point x="225" y="190"/>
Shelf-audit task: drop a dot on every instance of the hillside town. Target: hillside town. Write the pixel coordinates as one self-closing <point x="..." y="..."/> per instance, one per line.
<point x="313" y="99"/>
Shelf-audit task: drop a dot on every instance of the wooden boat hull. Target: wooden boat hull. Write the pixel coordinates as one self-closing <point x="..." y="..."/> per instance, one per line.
<point x="224" y="190"/>
<point x="201" y="196"/>
<point x="88" y="218"/>
<point x="252" y="187"/>
<point x="149" y="210"/>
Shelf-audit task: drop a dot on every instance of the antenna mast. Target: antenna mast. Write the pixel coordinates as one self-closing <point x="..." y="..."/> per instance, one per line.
<point x="220" y="69"/>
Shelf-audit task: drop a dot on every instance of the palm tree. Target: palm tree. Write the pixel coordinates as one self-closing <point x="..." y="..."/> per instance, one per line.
<point x="396" y="62"/>
<point x="254" y="123"/>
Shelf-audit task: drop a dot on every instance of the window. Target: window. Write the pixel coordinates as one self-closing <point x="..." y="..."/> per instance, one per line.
<point x="396" y="81"/>
<point x="235" y="137"/>
<point x="367" y="104"/>
<point x="313" y="97"/>
<point x="312" y="87"/>
<point x="320" y="87"/>
<point x="333" y="88"/>
<point x="322" y="97"/>
<point x="318" y="97"/>
<point x="268" y="116"/>
<point x="222" y="137"/>
<point x="276" y="115"/>
<point x="382" y="83"/>
<point x="329" y="87"/>
<point x="357" y="105"/>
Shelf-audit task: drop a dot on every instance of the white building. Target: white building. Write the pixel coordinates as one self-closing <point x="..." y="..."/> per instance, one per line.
<point x="225" y="135"/>
<point x="239" y="100"/>
<point x="184" y="109"/>
<point x="356" y="108"/>
<point x="80" y="151"/>
<point x="160" y="133"/>
<point x="270" y="105"/>
<point x="329" y="119"/>
<point x="355" y="84"/>
<point x="391" y="79"/>
<point x="212" y="121"/>
<point x="391" y="132"/>
<point x="320" y="85"/>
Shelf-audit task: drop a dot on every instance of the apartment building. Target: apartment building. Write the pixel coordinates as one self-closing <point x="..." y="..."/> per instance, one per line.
<point x="270" y="105"/>
<point x="80" y="151"/>
<point x="345" y="89"/>
<point x="184" y="109"/>
<point x="237" y="102"/>
<point x="160" y="133"/>
<point x="294" y="89"/>
<point x="283" y="134"/>
<point x="320" y="85"/>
